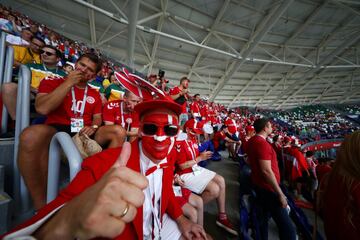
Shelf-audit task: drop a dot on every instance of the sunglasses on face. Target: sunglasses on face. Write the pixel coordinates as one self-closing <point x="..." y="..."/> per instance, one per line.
<point x="47" y="53"/>
<point x="151" y="129"/>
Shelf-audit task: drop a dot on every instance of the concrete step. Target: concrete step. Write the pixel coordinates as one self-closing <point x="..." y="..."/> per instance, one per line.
<point x="2" y="178"/>
<point x="6" y="160"/>
<point x="5" y="201"/>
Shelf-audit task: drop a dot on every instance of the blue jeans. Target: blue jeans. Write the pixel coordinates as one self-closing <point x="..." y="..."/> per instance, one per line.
<point x="268" y="205"/>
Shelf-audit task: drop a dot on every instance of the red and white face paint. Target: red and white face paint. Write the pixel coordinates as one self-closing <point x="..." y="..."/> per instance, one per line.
<point x="158" y="146"/>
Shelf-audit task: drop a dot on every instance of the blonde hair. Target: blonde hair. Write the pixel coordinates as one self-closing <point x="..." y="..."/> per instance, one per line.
<point x="347" y="167"/>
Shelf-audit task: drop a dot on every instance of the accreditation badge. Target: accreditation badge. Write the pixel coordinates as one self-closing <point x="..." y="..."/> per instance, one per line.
<point x="76" y="124"/>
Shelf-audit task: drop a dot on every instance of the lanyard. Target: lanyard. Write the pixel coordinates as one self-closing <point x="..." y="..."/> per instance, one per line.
<point x="155" y="218"/>
<point x="122" y="114"/>
<point x="74" y="107"/>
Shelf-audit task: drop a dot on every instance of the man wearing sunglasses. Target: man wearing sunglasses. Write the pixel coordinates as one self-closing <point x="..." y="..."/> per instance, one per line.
<point x="28" y="54"/>
<point x="50" y="56"/>
<point x="123" y="193"/>
<point x="121" y="121"/>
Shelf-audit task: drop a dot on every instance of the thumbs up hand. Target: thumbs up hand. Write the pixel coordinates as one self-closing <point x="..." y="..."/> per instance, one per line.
<point x="103" y="209"/>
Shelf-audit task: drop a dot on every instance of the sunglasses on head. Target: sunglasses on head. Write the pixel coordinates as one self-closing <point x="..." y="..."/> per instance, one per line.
<point x="151" y="129"/>
<point x="47" y="53"/>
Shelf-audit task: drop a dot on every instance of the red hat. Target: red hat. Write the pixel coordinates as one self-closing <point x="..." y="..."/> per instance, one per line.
<point x="145" y="106"/>
<point x="194" y="126"/>
<point x="139" y="86"/>
<point x="131" y="86"/>
<point x="249" y="128"/>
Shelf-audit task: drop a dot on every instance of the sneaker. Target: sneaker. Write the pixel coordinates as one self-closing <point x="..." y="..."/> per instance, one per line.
<point x="225" y="224"/>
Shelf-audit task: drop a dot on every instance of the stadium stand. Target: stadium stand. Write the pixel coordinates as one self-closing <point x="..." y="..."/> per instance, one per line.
<point x="301" y="142"/>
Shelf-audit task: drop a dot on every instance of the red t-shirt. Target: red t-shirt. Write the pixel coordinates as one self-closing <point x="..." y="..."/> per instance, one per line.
<point x="194" y="107"/>
<point x="260" y="150"/>
<point x="174" y="91"/>
<point x="204" y="111"/>
<point x="187" y="150"/>
<point x="303" y="165"/>
<point x="112" y="113"/>
<point x="219" y="135"/>
<point x="245" y="144"/>
<point x="64" y="112"/>
<point x="231" y="124"/>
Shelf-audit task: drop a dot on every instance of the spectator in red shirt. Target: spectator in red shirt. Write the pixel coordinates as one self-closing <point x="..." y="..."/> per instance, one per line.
<point x="221" y="141"/>
<point x="70" y="106"/>
<point x="277" y="146"/>
<point x="120" y="120"/>
<point x="180" y="95"/>
<point x="342" y="194"/>
<point x="233" y="134"/>
<point x="250" y="132"/>
<point x="270" y="199"/>
<point x="67" y="50"/>
<point x="195" y="108"/>
<point x="323" y="168"/>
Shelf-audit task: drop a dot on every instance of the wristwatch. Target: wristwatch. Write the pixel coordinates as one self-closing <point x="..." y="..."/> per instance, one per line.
<point x="95" y="126"/>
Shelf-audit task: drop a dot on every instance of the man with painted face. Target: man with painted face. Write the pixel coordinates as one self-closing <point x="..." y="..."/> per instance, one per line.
<point x="125" y="197"/>
<point x="199" y="180"/>
<point x="120" y="120"/>
<point x="70" y="106"/>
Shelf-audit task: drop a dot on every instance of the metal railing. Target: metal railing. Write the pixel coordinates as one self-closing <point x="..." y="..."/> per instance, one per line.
<point x="21" y="194"/>
<point x="2" y="54"/>
<point x="8" y="71"/>
<point x="323" y="141"/>
<point x="61" y="140"/>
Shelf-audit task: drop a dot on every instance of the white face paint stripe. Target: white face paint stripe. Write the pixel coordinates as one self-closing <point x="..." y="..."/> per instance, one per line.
<point x="172" y="139"/>
<point x="160" y="138"/>
<point x="170" y="119"/>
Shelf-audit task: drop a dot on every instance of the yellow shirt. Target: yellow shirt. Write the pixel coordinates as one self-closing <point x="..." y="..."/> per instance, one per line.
<point x="24" y="55"/>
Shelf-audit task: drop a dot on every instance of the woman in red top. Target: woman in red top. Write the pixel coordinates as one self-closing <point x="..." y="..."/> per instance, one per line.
<point x="342" y="194"/>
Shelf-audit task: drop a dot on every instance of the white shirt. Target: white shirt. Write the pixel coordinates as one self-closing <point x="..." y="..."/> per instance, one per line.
<point x="15" y="40"/>
<point x="154" y="188"/>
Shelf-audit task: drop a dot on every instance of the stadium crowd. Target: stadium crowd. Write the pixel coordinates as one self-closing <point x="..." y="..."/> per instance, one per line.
<point x="149" y="178"/>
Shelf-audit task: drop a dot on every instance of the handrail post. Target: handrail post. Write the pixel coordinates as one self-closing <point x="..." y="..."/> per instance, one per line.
<point x="9" y="61"/>
<point x="61" y="140"/>
<point x="2" y="55"/>
<point x="21" y="195"/>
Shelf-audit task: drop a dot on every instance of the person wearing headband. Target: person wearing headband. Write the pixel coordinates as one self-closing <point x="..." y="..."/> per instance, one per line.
<point x="121" y="121"/>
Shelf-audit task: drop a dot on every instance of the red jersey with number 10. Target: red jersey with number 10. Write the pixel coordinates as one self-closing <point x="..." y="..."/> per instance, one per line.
<point x="64" y="112"/>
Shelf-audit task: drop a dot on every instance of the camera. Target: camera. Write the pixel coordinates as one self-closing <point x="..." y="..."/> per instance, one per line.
<point x="161" y="73"/>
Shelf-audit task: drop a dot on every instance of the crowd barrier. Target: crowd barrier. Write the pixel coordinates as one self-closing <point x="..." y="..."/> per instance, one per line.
<point x="2" y="54"/>
<point x="322" y="144"/>
<point x="8" y="71"/>
<point x="61" y="142"/>
<point x="21" y="195"/>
